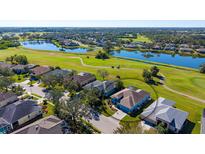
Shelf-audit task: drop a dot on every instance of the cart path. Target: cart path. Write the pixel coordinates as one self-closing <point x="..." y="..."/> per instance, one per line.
<point x="163" y="81"/>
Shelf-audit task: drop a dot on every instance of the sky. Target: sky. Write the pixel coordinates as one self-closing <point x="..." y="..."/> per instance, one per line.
<point x="105" y="23"/>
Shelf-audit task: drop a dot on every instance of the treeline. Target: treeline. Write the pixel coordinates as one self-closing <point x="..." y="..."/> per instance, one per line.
<point x="4" y="44"/>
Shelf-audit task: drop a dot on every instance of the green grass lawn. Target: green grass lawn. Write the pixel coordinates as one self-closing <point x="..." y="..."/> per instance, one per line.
<point x="142" y="38"/>
<point x="186" y="81"/>
<point x="50" y="109"/>
<point x="18" y="78"/>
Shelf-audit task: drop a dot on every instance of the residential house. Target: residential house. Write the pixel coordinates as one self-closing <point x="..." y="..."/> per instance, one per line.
<point x="5" y="65"/>
<point x="20" y="69"/>
<point x="162" y="110"/>
<point x="83" y="78"/>
<point x="16" y="114"/>
<point x="129" y="100"/>
<point x="59" y="72"/>
<point x="201" y="50"/>
<point x="185" y="49"/>
<point x="7" y="98"/>
<point x="47" y="125"/>
<point x="106" y="88"/>
<point x="38" y="71"/>
<point x="157" y="47"/>
<point x="203" y="122"/>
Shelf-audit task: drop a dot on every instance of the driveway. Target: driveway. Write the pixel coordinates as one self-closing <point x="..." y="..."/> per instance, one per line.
<point x="105" y="124"/>
<point x="119" y="115"/>
<point x="34" y="89"/>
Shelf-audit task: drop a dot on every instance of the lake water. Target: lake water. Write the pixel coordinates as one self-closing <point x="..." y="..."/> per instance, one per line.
<point x="45" y="45"/>
<point x="185" y="61"/>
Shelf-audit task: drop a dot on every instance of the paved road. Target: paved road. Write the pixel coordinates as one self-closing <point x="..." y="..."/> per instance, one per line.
<point x="105" y="124"/>
<point x="34" y="89"/>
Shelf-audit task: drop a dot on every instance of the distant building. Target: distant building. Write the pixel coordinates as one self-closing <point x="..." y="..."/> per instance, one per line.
<point x="162" y="110"/>
<point x="129" y="100"/>
<point x="201" y="50"/>
<point x="16" y="114"/>
<point x="47" y="125"/>
<point x="7" y="98"/>
<point x="185" y="49"/>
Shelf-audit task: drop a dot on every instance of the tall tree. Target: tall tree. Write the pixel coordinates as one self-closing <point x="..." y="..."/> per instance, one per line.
<point x="147" y="76"/>
<point x="91" y="97"/>
<point x="72" y="111"/>
<point x="154" y="70"/>
<point x="5" y="82"/>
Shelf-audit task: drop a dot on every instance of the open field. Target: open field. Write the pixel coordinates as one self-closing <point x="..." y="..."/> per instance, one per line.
<point x="187" y="81"/>
<point x="140" y="38"/>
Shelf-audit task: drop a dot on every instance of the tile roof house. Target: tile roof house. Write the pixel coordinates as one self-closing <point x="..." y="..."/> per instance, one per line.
<point x="83" y="78"/>
<point x="203" y="122"/>
<point x="129" y="100"/>
<point x="16" y="114"/>
<point x="162" y="110"/>
<point x="7" y="98"/>
<point x="47" y="125"/>
<point x="106" y="88"/>
<point x="40" y="70"/>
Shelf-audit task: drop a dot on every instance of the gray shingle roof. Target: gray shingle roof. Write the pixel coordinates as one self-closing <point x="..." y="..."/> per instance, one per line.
<point x="5" y="96"/>
<point x="47" y="125"/>
<point x="162" y="109"/>
<point x="104" y="86"/>
<point x="13" y="112"/>
<point x="59" y="72"/>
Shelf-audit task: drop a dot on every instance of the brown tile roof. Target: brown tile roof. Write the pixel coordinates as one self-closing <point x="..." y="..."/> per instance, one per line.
<point x="40" y="70"/>
<point x="130" y="97"/>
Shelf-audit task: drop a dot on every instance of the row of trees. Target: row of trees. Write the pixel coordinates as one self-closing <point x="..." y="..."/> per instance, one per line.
<point x="4" y="44"/>
<point x="17" y="59"/>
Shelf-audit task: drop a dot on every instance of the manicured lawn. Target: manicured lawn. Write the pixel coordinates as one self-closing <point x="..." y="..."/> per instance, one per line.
<point x="18" y="78"/>
<point x="142" y="38"/>
<point x="186" y="81"/>
<point x="50" y="109"/>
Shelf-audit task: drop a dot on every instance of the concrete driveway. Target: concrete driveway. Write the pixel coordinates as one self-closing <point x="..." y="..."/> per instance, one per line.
<point x="105" y="124"/>
<point x="119" y="115"/>
<point x="34" y="89"/>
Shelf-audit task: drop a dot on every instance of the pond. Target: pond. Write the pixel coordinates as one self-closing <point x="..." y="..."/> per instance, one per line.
<point x="46" y="45"/>
<point x="185" y="61"/>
